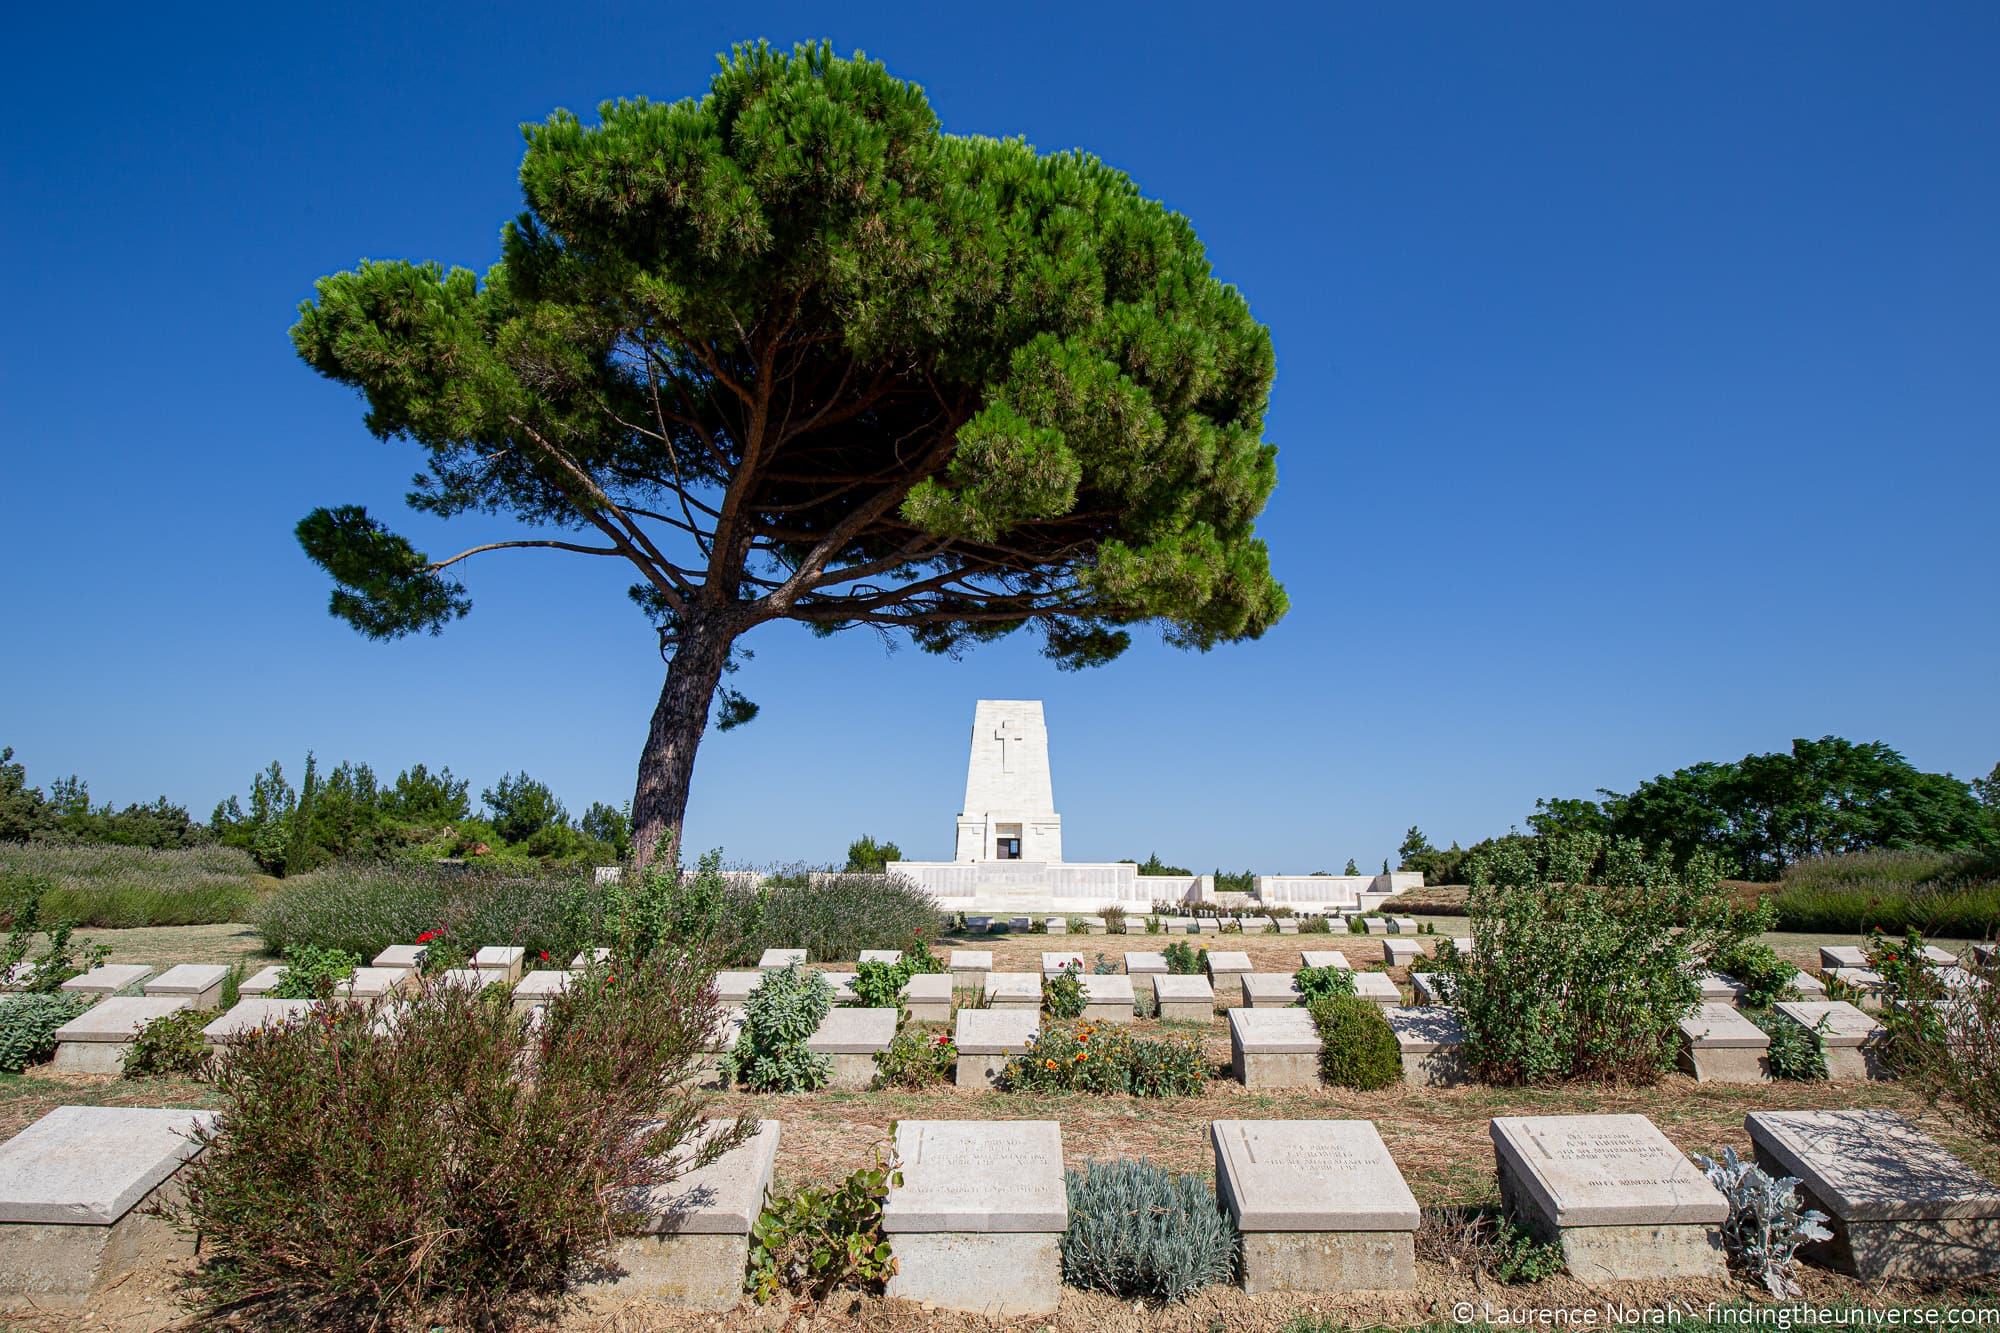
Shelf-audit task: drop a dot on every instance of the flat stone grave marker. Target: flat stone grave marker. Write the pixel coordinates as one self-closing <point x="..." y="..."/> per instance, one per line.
<point x="987" y="1039"/>
<point x="1269" y="989"/>
<point x="71" y="1186"/>
<point x="1403" y="925"/>
<point x="375" y="983"/>
<point x="1936" y="955"/>
<point x="1056" y="925"/>
<point x="734" y="987"/>
<point x="1184" y="998"/>
<point x="401" y="955"/>
<point x="1014" y="990"/>
<point x="969" y="968"/>
<point x="502" y="961"/>
<point x="1851" y="1039"/>
<point x="851" y="1037"/>
<point x="1717" y="987"/>
<point x="1144" y="966"/>
<point x="467" y="978"/>
<point x="108" y="979"/>
<point x="1320" y="1204"/>
<point x="200" y="982"/>
<point x="1841" y="955"/>
<point x="927" y="996"/>
<point x="1325" y="958"/>
<point x="694" y="1239"/>
<point x="1107" y="998"/>
<point x="585" y="957"/>
<point x="1430" y="1041"/>
<point x="1900" y="1206"/>
<point x="776" y="959"/>
<point x="1398" y="952"/>
<point x="1287" y="925"/>
<point x="1274" y="1048"/>
<point x="261" y="982"/>
<point x="1378" y="987"/>
<point x="1256" y="925"/>
<point x="1720" y="1045"/>
<point x="1226" y="968"/>
<point x="1430" y="988"/>
<point x="1462" y="943"/>
<point x="1375" y="925"/>
<point x="1623" y="1202"/>
<point x="97" y="1040"/>
<point x="539" y="987"/>
<point x="889" y="956"/>
<point x="1808" y="985"/>
<point x="977" y="1223"/>
<point x="252" y="1015"/>
<point x="1055" y="960"/>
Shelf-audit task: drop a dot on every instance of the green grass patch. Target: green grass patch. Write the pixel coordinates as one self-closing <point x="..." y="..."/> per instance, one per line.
<point x="116" y="888"/>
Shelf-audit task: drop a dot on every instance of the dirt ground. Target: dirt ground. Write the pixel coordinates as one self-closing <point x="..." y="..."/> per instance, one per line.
<point x="1438" y="1138"/>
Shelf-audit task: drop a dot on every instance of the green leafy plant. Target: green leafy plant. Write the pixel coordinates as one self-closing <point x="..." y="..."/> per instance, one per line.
<point x="1140" y="1232"/>
<point x="1767" y="1222"/>
<point x="781" y="1016"/>
<point x="1114" y="920"/>
<point x="1183" y="959"/>
<point x="170" y="1046"/>
<point x="918" y="955"/>
<point x="60" y="957"/>
<point x="1038" y="926"/>
<point x="1315" y="925"/>
<point x="1154" y="925"/>
<point x="1106" y="1058"/>
<point x="1796" y="1052"/>
<point x="1062" y="994"/>
<point x="1357" y="925"/>
<point x="1520" y="1257"/>
<point x="311" y="972"/>
<point x="880" y="985"/>
<point x="1316" y="983"/>
<point x="338" y="1143"/>
<point x="916" y="1057"/>
<point x="1581" y="973"/>
<point x="816" y="1241"/>
<point x="28" y="1026"/>
<point x="1357" y="1046"/>
<point x="1104" y="967"/>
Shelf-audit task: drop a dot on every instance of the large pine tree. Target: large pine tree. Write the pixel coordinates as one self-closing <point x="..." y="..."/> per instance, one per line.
<point x="790" y="352"/>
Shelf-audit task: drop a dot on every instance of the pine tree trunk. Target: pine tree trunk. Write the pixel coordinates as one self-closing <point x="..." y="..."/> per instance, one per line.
<point x="666" y="766"/>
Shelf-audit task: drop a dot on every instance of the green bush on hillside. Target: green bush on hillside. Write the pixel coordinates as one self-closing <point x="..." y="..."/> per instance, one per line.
<point x="1357" y="1046"/>
<point x="110" y="887"/>
<point x="1941" y="894"/>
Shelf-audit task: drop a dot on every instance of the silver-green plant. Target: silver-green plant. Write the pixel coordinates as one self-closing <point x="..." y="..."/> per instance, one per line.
<point x="1139" y="1231"/>
<point x="1768" y="1221"/>
<point x="784" y="1011"/>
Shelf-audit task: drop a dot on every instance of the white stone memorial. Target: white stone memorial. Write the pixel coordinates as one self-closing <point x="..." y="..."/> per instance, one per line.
<point x="1325" y="958"/>
<point x="1274" y="1048"/>
<point x="1265" y="990"/>
<point x="977" y="1222"/>
<point x="777" y="959"/>
<point x="852" y="1038"/>
<point x="76" y="1195"/>
<point x="107" y="979"/>
<point x="201" y="983"/>
<point x="1014" y="990"/>
<point x="927" y="996"/>
<point x="1377" y="986"/>
<point x="694" y="1236"/>
<point x="539" y="987"/>
<point x="1107" y="999"/>
<point x="1400" y="952"/>
<point x="1900" y="1207"/>
<point x="1320" y="1204"/>
<point x="1184" y="998"/>
<point x="369" y="984"/>
<point x="1226" y="970"/>
<point x="1720" y="1045"/>
<point x="969" y="968"/>
<point x="500" y="962"/>
<point x="254" y="1015"/>
<point x="987" y="1038"/>
<point x="97" y="1040"/>
<point x="1623" y="1202"/>
<point x="1429" y="1040"/>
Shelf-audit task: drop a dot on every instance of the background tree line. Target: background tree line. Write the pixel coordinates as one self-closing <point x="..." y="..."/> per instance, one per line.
<point x="343" y="812"/>
<point x="1764" y="812"/>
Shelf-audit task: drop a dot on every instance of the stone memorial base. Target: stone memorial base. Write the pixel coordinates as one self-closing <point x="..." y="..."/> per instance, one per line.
<point x="695" y="1240"/>
<point x="999" y="1276"/>
<point x="90" y="1057"/>
<point x="1274" y="1048"/>
<point x="1640" y="1251"/>
<point x="987" y="1039"/>
<point x="1184" y="999"/>
<point x="700" y="1272"/>
<point x="1724" y="1064"/>
<point x="1430" y="1041"/>
<point x="1328" y="1261"/>
<point x="1108" y="999"/>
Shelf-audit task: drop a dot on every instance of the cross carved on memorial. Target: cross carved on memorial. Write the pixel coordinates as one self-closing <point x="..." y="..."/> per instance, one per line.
<point x="1006" y="732"/>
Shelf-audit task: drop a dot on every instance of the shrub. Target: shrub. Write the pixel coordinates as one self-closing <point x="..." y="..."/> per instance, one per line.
<point x="28" y="1026"/>
<point x="1104" y="967"/>
<point x="1943" y="1039"/>
<point x="1484" y="1240"/>
<point x="1797" y="1052"/>
<point x="1154" y="925"/>
<point x="880" y="985"/>
<point x="363" y="907"/>
<point x="1062" y="994"/>
<point x="1571" y="980"/>
<point x="171" y="1044"/>
<point x="1076" y="925"/>
<point x="1767" y="1221"/>
<point x="1316" y="983"/>
<point x="1951" y="894"/>
<point x="112" y="887"/>
<point x="1114" y="920"/>
<point x="816" y="1241"/>
<point x="1357" y="1046"/>
<point x="635" y="913"/>
<point x="1520" y="1256"/>
<point x="1183" y="959"/>
<point x="338" y="1147"/>
<point x="1357" y="925"/>
<point x="916" y="1057"/>
<point x="917" y="956"/>
<point x="784" y="1011"/>
<point x="1087" y="1057"/>
<point x="311" y="972"/>
<point x="837" y="916"/>
<point x="1143" y="1233"/>
<point x="59" y="959"/>
<point x="1765" y="977"/>
<point x="1315" y="925"/>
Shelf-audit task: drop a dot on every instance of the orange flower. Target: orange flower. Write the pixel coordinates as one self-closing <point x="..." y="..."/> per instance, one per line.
<point x="1050" y="1063"/>
<point x="1083" y="1055"/>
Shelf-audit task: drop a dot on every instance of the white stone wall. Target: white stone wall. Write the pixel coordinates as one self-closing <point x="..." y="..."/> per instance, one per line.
<point x="1008" y="791"/>
<point x="1334" y="890"/>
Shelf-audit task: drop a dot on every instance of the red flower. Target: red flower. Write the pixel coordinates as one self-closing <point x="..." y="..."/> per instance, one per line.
<point x="544" y="955"/>
<point x="428" y="936"/>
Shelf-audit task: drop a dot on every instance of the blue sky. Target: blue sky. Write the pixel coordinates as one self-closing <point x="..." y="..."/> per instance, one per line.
<point x="1636" y="404"/>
